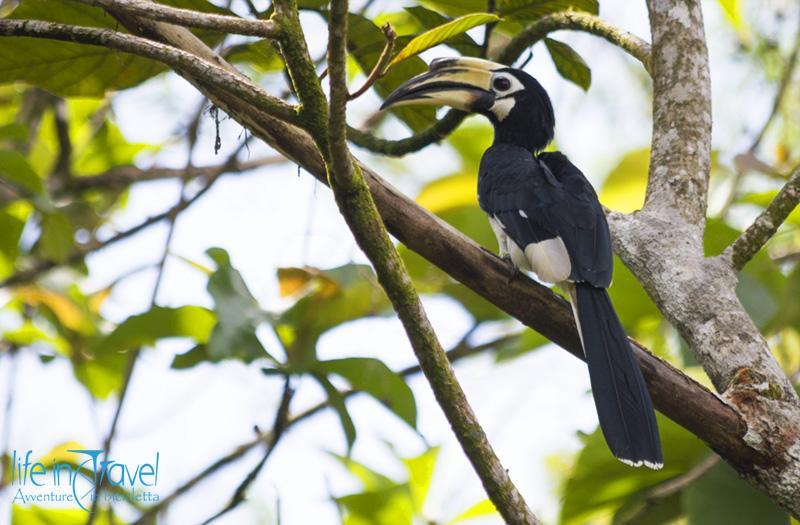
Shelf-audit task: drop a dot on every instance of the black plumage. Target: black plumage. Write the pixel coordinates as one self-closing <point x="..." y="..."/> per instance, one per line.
<point x="547" y="218"/>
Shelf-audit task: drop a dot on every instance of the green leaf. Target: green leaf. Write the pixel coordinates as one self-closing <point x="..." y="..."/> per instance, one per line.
<point x="331" y="298"/>
<point x="429" y="19"/>
<point x="480" y="510"/>
<point x="14" y="132"/>
<point x="600" y="485"/>
<point x="12" y="221"/>
<point x="58" y="236"/>
<point x="71" y="69"/>
<point x="33" y="515"/>
<point x="420" y="473"/>
<point x="624" y="187"/>
<point x="370" y="479"/>
<point x="260" y="56"/>
<point x="569" y="64"/>
<point x="365" y="42"/>
<point x="733" y="13"/>
<point x="376" y="379"/>
<point x="444" y="32"/>
<point x="337" y="402"/>
<point x="720" y="496"/>
<point x="14" y="168"/>
<point x="389" y="506"/>
<point x="193" y="322"/>
<point x="238" y="314"/>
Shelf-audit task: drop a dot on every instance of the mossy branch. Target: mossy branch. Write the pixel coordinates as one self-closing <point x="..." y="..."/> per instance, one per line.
<point x="189" y="18"/>
<point x="764" y="227"/>
<point x="577" y="21"/>
<point x="355" y="202"/>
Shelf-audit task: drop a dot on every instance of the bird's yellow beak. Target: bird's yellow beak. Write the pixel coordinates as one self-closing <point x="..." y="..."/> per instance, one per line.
<point x="461" y="83"/>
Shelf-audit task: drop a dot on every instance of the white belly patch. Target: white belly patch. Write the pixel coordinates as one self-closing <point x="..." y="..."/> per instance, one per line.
<point x="548" y="259"/>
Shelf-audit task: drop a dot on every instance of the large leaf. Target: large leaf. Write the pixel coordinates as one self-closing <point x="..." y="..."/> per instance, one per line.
<point x="193" y="322"/>
<point x="330" y="298"/>
<point x="442" y="33"/>
<point x="387" y="506"/>
<point x="721" y="496"/>
<point x="365" y="44"/>
<point x="376" y="379"/>
<point x="569" y="63"/>
<point x="429" y="19"/>
<point x="238" y="314"/>
<point x="420" y="474"/>
<point x="73" y="69"/>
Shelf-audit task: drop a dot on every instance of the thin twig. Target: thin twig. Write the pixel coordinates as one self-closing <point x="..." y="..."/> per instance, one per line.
<point x="766" y="224"/>
<point x="280" y="424"/>
<point x="189" y="18"/>
<point x="380" y="66"/>
<point x="679" y="483"/>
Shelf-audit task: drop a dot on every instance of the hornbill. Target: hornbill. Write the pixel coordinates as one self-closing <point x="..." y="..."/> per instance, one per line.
<point x="547" y="219"/>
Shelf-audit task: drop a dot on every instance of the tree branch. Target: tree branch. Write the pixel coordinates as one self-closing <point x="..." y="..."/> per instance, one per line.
<point x="189" y="18"/>
<point x="397" y="148"/>
<point x="575" y="20"/>
<point x="179" y="60"/>
<point x="764" y="227"/>
<point x="380" y="66"/>
<point x="680" y="157"/>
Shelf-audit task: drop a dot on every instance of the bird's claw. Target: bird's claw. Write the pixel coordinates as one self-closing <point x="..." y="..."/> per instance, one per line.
<point x="513" y="271"/>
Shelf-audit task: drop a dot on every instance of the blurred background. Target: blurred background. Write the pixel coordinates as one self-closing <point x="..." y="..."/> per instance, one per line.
<point x="139" y="225"/>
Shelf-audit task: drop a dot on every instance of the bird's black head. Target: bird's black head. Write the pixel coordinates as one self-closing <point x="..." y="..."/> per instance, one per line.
<point x="515" y="102"/>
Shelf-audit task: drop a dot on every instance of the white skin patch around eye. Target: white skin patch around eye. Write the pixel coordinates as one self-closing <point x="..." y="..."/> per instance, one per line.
<point x="502" y="107"/>
<point x="504" y="102"/>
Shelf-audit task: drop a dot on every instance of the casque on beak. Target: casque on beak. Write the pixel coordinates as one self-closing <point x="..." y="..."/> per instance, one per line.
<point x="461" y="83"/>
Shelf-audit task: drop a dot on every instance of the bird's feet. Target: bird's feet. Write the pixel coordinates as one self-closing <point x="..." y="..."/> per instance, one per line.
<point x="513" y="271"/>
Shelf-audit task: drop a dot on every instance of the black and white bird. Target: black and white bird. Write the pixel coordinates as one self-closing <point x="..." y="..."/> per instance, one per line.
<point x="547" y="219"/>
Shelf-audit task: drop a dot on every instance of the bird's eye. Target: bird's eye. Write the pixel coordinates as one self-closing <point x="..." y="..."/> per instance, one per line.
<point x="501" y="84"/>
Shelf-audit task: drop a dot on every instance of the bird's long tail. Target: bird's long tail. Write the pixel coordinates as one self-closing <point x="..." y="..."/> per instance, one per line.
<point x="620" y="395"/>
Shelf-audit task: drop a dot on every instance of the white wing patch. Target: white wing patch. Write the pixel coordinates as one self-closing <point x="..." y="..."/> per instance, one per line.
<point x="549" y="259"/>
